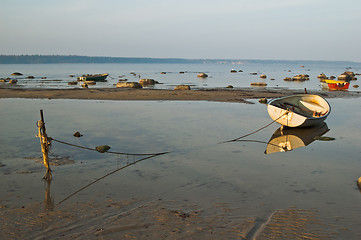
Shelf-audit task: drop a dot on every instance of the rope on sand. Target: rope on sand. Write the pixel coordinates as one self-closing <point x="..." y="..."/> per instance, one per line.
<point x="119" y="153"/>
<point x="108" y="174"/>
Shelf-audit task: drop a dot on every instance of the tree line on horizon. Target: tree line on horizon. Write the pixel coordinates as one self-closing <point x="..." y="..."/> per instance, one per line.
<point x="41" y="59"/>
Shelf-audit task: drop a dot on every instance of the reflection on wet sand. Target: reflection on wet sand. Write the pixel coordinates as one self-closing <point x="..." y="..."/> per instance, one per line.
<point x="48" y="200"/>
<point x="287" y="139"/>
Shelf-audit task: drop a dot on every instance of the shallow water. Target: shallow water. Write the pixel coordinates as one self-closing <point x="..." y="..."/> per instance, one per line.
<point x="57" y="75"/>
<point x="198" y="170"/>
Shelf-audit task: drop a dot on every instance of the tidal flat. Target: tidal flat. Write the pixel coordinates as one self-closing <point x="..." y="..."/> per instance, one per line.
<point x="204" y="187"/>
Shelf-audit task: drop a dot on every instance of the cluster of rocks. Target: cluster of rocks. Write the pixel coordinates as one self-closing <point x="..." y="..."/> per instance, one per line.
<point x="299" y="77"/>
<point x="235" y="71"/>
<point x="323" y="76"/>
<point x="9" y="80"/>
<point x="122" y="83"/>
<point x="15" y="81"/>
<point x="347" y="76"/>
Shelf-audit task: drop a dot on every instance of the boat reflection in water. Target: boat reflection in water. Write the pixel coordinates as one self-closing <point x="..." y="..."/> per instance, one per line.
<point x="287" y="139"/>
<point x="359" y="184"/>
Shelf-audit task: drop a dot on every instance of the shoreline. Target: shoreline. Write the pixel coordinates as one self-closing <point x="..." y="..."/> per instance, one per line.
<point x="215" y="95"/>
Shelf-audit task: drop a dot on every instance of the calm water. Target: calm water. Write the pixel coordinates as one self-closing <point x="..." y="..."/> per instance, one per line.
<point x="57" y="75"/>
<point x="321" y="176"/>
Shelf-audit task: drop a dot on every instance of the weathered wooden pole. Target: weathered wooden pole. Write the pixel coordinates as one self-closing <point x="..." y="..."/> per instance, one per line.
<point x="45" y="146"/>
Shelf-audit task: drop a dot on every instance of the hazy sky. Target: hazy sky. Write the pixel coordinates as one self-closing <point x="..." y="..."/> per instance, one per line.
<point x="236" y="29"/>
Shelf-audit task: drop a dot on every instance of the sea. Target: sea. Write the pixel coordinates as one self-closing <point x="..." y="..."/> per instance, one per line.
<point x="220" y="75"/>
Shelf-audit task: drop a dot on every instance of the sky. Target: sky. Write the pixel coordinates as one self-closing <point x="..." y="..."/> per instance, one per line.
<point x="195" y="29"/>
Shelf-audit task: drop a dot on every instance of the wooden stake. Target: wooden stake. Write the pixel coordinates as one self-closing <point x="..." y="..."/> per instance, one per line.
<point x="44" y="146"/>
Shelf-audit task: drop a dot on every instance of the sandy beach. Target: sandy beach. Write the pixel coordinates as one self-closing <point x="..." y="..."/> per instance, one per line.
<point x="215" y="95"/>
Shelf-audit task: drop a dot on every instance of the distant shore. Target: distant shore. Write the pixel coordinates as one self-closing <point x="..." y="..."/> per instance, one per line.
<point x="51" y="59"/>
<point x="215" y="95"/>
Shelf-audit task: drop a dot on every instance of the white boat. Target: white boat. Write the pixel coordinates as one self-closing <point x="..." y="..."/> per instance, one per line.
<point x="299" y="110"/>
<point x="287" y="139"/>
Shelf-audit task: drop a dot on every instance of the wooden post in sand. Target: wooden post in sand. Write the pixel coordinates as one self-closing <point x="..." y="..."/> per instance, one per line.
<point x="45" y="146"/>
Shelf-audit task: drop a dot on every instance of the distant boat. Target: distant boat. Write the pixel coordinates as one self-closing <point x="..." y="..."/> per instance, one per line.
<point x="287" y="139"/>
<point x="94" y="77"/>
<point x="299" y="110"/>
<point x="334" y="84"/>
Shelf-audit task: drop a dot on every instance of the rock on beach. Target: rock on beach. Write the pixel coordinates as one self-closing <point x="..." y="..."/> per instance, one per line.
<point x="90" y="82"/>
<point x="202" y="75"/>
<point x="13" y="81"/>
<point x="263" y="76"/>
<point x="16" y="74"/>
<point x="259" y="84"/>
<point x="73" y="83"/>
<point x="182" y="87"/>
<point x="147" y="81"/>
<point x="322" y="76"/>
<point x="129" y="85"/>
<point x="347" y="76"/>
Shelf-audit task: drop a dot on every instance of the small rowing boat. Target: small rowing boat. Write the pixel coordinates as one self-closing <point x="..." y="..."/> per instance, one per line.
<point x="94" y="77"/>
<point x="299" y="110"/>
<point x="334" y="84"/>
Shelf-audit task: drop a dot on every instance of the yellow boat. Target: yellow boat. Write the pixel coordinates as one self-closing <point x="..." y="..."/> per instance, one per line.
<point x="334" y="84"/>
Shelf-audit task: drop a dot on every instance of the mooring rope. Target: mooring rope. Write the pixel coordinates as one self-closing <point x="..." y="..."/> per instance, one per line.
<point x="108" y="174"/>
<point x="236" y="139"/>
<point x="93" y="149"/>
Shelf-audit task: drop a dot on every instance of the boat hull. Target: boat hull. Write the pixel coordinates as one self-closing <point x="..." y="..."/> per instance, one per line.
<point x="299" y="110"/>
<point x="335" y="85"/>
<point x="94" y="77"/>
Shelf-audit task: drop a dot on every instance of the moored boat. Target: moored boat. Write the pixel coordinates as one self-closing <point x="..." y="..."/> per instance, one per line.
<point x="334" y="84"/>
<point x="299" y="110"/>
<point x="94" y="77"/>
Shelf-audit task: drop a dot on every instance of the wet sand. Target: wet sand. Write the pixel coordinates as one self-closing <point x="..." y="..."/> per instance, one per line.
<point x="137" y="218"/>
<point x="216" y="95"/>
